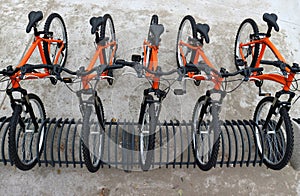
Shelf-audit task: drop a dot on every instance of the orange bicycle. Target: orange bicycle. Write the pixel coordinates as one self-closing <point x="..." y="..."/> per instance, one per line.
<point x="93" y="125"/>
<point x="190" y="56"/>
<point x="150" y="107"/>
<point x="271" y="113"/>
<point x="26" y="136"/>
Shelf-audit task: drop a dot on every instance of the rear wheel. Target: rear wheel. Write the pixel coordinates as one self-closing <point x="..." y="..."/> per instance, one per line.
<point x="246" y="56"/>
<point x="275" y="143"/>
<point x="206" y="134"/>
<point x="93" y="135"/>
<point x="108" y="39"/>
<point x="187" y="36"/>
<point x="26" y="144"/>
<point x="147" y="134"/>
<point x="148" y="50"/>
<point x="55" y="29"/>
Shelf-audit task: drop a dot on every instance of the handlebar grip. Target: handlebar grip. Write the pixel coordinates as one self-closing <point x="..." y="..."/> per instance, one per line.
<point x="256" y="69"/>
<point x="115" y="66"/>
<point x="123" y="62"/>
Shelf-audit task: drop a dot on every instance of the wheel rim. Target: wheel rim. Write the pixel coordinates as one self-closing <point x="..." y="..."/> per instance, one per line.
<point x="203" y="135"/>
<point x="273" y="141"/>
<point x="59" y="33"/>
<point x="95" y="137"/>
<point x="185" y="35"/>
<point x="244" y="37"/>
<point x="95" y="142"/>
<point x="29" y="142"/>
<point x="144" y="135"/>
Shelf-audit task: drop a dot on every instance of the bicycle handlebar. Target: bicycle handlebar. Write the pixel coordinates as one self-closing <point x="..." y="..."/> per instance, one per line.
<point x="222" y="73"/>
<point x="282" y="66"/>
<point x="245" y="72"/>
<point x="139" y="67"/>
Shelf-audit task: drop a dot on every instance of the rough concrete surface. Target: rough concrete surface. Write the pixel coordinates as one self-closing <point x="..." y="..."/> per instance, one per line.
<point x="122" y="100"/>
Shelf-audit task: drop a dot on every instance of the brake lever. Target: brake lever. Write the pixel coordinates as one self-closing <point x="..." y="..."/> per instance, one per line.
<point x="56" y="71"/>
<point x="24" y="69"/>
<point x="282" y="67"/>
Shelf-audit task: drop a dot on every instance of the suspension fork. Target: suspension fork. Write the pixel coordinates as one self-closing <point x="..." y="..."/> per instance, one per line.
<point x="207" y="102"/>
<point x="278" y="104"/>
<point x="24" y="101"/>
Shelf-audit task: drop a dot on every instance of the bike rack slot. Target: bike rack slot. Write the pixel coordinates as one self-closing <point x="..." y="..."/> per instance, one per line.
<point x="173" y="148"/>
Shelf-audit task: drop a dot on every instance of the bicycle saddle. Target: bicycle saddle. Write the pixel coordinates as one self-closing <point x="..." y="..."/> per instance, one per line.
<point x="96" y="22"/>
<point x="33" y="17"/>
<point x="271" y="20"/>
<point x="156" y="30"/>
<point x="203" y="29"/>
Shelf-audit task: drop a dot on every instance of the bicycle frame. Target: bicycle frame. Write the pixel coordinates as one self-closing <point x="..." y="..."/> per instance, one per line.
<point x="265" y="42"/>
<point x="152" y="54"/>
<point x="198" y="52"/>
<point x="37" y="43"/>
<point x="99" y="53"/>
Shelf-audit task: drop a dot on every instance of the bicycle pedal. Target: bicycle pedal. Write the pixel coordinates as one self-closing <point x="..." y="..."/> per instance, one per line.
<point x="53" y="81"/>
<point x="179" y="91"/>
<point x="67" y="80"/>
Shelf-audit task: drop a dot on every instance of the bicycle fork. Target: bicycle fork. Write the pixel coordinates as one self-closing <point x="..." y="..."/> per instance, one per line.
<point x="278" y="104"/>
<point x="215" y="107"/>
<point x="24" y="100"/>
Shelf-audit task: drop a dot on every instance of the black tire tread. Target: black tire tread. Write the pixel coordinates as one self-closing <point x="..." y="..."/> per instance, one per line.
<point x="289" y="135"/>
<point x="13" y="152"/>
<point x="85" y="137"/>
<point x="256" y="49"/>
<point x="46" y="29"/>
<point x="194" y="32"/>
<point x="215" y="150"/>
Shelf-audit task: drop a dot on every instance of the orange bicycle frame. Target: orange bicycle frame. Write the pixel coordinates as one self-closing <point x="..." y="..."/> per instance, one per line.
<point x="98" y="54"/>
<point x="153" y="63"/>
<point x="200" y="53"/>
<point x="265" y="42"/>
<point x="37" y="43"/>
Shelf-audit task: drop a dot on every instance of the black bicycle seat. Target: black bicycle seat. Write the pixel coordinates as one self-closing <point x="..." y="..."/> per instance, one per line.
<point x="271" y="20"/>
<point x="33" y="17"/>
<point x="203" y="29"/>
<point x="156" y="30"/>
<point x="96" y="22"/>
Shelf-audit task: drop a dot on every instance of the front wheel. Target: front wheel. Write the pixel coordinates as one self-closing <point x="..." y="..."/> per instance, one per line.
<point x="206" y="134"/>
<point x="26" y="143"/>
<point x="56" y="49"/>
<point x="147" y="126"/>
<point x="275" y="142"/>
<point x="245" y="53"/>
<point x="93" y="135"/>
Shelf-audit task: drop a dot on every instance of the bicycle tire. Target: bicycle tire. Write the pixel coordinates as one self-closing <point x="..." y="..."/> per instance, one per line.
<point x="153" y="21"/>
<point x="108" y="32"/>
<point x="147" y="141"/>
<point x="55" y="24"/>
<point x="277" y="147"/>
<point x="205" y="152"/>
<point x="243" y="36"/>
<point x="92" y="158"/>
<point x="18" y="136"/>
<point x="186" y="31"/>
<point x="147" y="55"/>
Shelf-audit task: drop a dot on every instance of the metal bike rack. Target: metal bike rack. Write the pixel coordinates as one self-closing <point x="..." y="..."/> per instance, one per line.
<point x="62" y="145"/>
